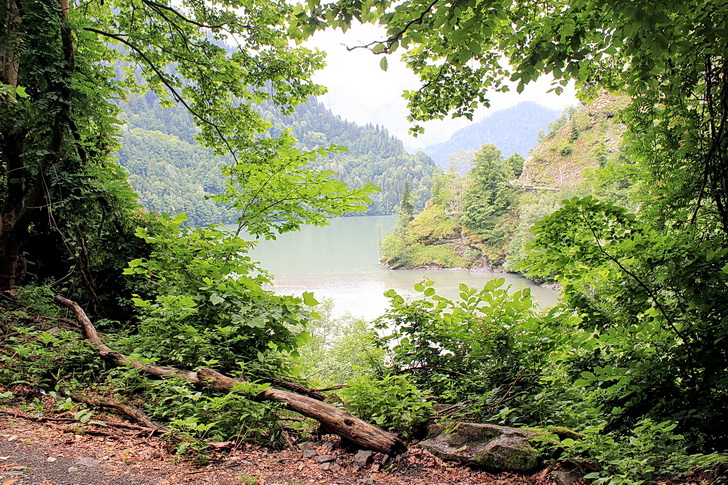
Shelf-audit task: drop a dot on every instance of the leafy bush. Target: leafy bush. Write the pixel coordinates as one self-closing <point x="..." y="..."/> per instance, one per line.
<point x="210" y="304"/>
<point x="340" y="349"/>
<point x="627" y="459"/>
<point x="392" y="402"/>
<point x="490" y="349"/>
<point x="39" y="354"/>
<point x="654" y="300"/>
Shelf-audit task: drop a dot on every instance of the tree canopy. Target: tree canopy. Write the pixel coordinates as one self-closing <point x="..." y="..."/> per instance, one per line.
<point x="60" y="75"/>
<point x="670" y="59"/>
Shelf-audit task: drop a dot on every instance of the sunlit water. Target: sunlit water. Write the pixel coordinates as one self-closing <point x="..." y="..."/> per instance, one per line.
<point x="341" y="262"/>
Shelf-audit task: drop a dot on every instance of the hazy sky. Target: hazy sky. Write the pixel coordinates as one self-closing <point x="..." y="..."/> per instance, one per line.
<point x="361" y="92"/>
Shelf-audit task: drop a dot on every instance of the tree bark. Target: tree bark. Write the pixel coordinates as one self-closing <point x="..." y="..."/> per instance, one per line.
<point x="333" y="419"/>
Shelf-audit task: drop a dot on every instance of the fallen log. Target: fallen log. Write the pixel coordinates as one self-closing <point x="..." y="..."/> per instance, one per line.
<point x="333" y="419"/>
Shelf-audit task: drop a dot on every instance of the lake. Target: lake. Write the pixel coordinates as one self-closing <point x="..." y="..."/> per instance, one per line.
<point x="341" y="262"/>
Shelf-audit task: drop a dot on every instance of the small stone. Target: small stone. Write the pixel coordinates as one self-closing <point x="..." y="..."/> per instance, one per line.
<point x="73" y="469"/>
<point x="335" y="468"/>
<point x="51" y="459"/>
<point x="309" y="453"/>
<point x="366" y="481"/>
<point x="326" y="467"/>
<point x="565" y="477"/>
<point x="325" y="458"/>
<point x="362" y="457"/>
<point x="87" y="462"/>
<point x="307" y="445"/>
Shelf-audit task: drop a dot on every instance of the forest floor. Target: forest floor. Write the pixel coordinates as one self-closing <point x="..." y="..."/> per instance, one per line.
<point x="56" y="449"/>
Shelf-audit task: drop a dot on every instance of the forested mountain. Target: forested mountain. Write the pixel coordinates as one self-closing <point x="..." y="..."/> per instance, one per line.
<point x="512" y="130"/>
<point x="173" y="174"/>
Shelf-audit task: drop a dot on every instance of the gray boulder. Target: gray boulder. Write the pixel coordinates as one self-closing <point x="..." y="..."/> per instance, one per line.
<point x="497" y="448"/>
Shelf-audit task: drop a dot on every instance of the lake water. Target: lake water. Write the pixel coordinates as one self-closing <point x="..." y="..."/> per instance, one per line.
<point x="341" y="262"/>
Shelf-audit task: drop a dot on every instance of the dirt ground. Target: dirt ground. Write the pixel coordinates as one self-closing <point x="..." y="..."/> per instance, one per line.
<point x="62" y="451"/>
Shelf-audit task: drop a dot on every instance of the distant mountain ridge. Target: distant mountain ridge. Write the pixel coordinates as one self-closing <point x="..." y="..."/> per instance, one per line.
<point x="512" y="130"/>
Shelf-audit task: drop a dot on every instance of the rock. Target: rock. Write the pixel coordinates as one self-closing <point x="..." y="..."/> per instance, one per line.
<point x="566" y="477"/>
<point x="308" y="445"/>
<point x="72" y="469"/>
<point x="309" y="453"/>
<point x="366" y="481"/>
<point x="87" y="462"/>
<point x="325" y="458"/>
<point x="497" y="448"/>
<point x="362" y="457"/>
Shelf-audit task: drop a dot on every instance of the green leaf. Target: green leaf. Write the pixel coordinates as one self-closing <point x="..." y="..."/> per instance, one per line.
<point x="383" y="63"/>
<point x="308" y="299"/>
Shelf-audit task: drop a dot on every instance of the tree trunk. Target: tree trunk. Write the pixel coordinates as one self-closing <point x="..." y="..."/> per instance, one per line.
<point x="333" y="419"/>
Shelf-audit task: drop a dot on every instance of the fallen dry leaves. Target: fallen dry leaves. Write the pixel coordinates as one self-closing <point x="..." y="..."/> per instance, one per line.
<point x="123" y="452"/>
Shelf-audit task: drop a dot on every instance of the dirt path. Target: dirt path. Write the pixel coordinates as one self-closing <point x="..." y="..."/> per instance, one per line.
<point x="67" y="453"/>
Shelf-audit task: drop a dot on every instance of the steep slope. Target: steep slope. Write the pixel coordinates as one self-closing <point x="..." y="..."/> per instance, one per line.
<point x="512" y="130"/>
<point x="589" y="136"/>
<point x="580" y="155"/>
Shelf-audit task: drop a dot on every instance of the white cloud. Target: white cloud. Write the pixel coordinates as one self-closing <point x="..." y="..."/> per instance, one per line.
<point x="361" y="92"/>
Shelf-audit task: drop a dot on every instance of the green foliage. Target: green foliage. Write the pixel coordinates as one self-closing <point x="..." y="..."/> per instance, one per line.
<point x="391" y="402"/>
<point x="654" y="298"/>
<point x="38" y="354"/>
<point x="405" y="209"/>
<point x="419" y="244"/>
<point x="489" y="195"/>
<point x="209" y="303"/>
<point x="488" y="349"/>
<point x="630" y="459"/>
<point x="160" y="142"/>
<point x="275" y="192"/>
<point x="530" y="212"/>
<point x="197" y="416"/>
<point x="339" y="349"/>
<point x="467" y="221"/>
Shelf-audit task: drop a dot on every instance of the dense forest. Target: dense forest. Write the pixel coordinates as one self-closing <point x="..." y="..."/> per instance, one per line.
<point x="106" y="304"/>
<point x="172" y="173"/>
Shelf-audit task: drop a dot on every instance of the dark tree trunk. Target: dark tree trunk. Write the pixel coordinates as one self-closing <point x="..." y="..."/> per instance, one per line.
<point x="25" y="182"/>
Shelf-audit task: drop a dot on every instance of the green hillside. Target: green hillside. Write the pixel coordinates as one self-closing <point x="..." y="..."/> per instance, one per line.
<point x="172" y="173"/>
<point x="588" y="136"/>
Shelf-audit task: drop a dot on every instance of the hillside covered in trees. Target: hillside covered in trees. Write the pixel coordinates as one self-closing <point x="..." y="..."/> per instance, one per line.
<point x="172" y="173"/>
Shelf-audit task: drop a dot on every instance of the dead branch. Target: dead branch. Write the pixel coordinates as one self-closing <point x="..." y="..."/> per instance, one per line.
<point x="131" y="412"/>
<point x="296" y="387"/>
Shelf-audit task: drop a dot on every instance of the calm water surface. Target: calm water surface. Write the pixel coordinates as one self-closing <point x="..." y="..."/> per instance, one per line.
<point x="341" y="262"/>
